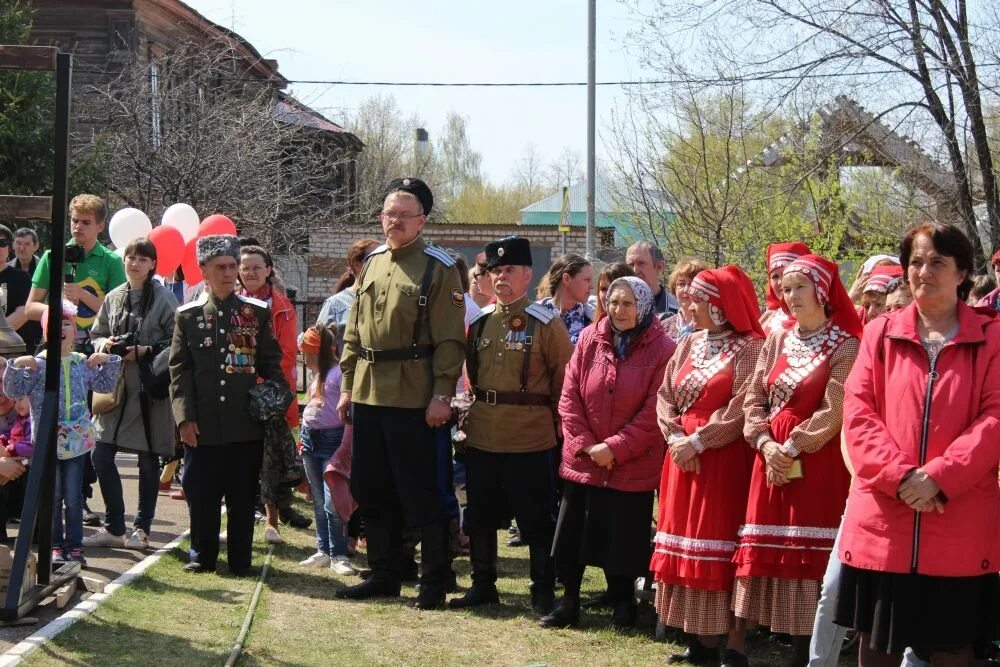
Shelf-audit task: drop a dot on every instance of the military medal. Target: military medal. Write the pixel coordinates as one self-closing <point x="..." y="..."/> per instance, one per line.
<point x="518" y="323"/>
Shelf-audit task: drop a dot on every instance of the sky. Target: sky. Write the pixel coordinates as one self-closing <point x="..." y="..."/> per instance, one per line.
<point x="448" y="41"/>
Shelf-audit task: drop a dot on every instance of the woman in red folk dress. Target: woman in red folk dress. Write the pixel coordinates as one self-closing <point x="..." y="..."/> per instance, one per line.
<point x="779" y="255"/>
<point x="703" y="487"/>
<point x="793" y="409"/>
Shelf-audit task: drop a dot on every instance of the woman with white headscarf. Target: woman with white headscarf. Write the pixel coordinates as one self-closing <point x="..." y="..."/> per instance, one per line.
<point x="613" y="450"/>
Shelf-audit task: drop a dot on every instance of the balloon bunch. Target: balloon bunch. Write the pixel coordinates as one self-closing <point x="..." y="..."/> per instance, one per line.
<point x="175" y="239"/>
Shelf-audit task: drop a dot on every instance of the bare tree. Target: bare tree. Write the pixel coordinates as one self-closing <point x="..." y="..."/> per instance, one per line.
<point x="459" y="165"/>
<point x="566" y="169"/>
<point x="913" y="61"/>
<point x="527" y="172"/>
<point x="188" y="127"/>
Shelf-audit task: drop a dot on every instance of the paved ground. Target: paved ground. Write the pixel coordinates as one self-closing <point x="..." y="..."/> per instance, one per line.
<point x="171" y="520"/>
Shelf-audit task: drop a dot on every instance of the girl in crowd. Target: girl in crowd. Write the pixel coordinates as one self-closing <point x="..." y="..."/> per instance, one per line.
<point x="920" y="542"/>
<point x="707" y="473"/>
<point x="779" y="255"/>
<point x="610" y="273"/>
<point x="682" y="323"/>
<point x="613" y="451"/>
<point x="861" y="279"/>
<point x="569" y="284"/>
<point x="336" y="308"/>
<point x="141" y="312"/>
<point x="322" y="434"/>
<point x="257" y="279"/>
<point x="793" y="413"/>
<point x="876" y="287"/>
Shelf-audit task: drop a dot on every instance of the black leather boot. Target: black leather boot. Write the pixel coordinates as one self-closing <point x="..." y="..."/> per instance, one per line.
<point x="565" y="615"/>
<point x="435" y="565"/>
<point x="383" y="561"/>
<point x="696" y="654"/>
<point x="483" y="557"/>
<point x="543" y="578"/>
<point x="800" y="651"/>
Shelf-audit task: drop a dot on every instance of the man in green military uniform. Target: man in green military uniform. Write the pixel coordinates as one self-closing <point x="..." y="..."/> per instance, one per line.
<point x="222" y="345"/>
<point x="404" y="345"/>
<point x="517" y="354"/>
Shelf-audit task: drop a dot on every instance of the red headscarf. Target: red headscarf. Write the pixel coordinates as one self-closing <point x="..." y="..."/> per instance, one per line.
<point x="730" y="291"/>
<point x="780" y="255"/>
<point x="825" y="277"/>
<point x="882" y="276"/>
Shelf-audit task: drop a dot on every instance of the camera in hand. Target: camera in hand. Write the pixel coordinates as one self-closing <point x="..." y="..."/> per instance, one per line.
<point x="74" y="254"/>
<point x="120" y="344"/>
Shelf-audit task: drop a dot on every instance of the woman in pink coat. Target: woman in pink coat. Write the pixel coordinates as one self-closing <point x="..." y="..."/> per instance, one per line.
<point x="613" y="450"/>
<point x="921" y="538"/>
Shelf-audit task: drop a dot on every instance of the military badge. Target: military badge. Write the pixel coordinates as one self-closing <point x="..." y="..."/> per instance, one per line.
<point x="457" y="297"/>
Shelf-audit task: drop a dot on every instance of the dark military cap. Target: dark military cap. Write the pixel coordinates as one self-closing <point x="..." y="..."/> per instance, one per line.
<point x="415" y="187"/>
<point x="508" y="251"/>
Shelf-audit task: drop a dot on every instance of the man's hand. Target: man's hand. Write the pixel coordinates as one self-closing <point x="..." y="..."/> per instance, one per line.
<point x="72" y="291"/>
<point x="189" y="433"/>
<point x="344" y="407"/>
<point x="438" y="413"/>
<point x="602" y="455"/>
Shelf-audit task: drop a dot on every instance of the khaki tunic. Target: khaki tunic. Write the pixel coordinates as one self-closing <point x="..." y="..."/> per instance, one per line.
<point x="518" y="428"/>
<point x="218" y="351"/>
<point x="382" y="318"/>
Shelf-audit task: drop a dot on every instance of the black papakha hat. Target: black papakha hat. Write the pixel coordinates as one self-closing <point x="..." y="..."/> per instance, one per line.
<point x="415" y="187"/>
<point x="508" y="251"/>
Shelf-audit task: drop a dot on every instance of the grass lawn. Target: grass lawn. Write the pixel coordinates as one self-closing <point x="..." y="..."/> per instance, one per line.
<point x="168" y="617"/>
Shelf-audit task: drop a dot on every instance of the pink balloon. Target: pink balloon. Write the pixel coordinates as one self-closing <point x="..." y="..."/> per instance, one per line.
<point x="169" y="243"/>
<point x="216" y="224"/>
<point x="189" y="263"/>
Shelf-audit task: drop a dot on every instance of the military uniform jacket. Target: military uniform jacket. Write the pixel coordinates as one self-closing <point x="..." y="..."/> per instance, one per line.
<point x="383" y="317"/>
<point x="219" y="350"/>
<point x="500" y="354"/>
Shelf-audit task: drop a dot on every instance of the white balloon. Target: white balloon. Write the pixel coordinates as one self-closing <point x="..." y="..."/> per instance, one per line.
<point x="127" y="225"/>
<point x="184" y="218"/>
<point x="121" y="253"/>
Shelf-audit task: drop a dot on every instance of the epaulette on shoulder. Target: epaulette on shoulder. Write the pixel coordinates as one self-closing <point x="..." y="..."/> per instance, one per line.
<point x="251" y="300"/>
<point x="540" y="313"/>
<point x="377" y="251"/>
<point x="439" y="254"/>
<point x="200" y="301"/>
<point x="485" y="312"/>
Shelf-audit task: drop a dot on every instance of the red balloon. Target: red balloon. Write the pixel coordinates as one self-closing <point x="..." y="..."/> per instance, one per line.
<point x="169" y="243"/>
<point x="189" y="263"/>
<point x="216" y="224"/>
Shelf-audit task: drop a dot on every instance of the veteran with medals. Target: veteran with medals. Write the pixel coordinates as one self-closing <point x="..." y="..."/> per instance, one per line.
<point x="222" y="346"/>
<point x="403" y="354"/>
<point x="517" y="352"/>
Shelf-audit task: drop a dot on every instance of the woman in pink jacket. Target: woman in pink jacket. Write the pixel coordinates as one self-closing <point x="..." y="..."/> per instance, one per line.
<point x="613" y="450"/>
<point x="921" y="538"/>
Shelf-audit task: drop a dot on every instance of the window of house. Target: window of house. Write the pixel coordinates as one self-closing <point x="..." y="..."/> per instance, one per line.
<point x="122" y="34"/>
<point x="155" y="101"/>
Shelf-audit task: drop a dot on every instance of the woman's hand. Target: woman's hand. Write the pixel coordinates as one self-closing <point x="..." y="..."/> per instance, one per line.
<point x="97" y="359"/>
<point x="858" y="288"/>
<point x="775" y="478"/>
<point x="11" y="469"/>
<point x="918" y="488"/>
<point x="682" y="451"/>
<point x="602" y="455"/>
<point x="776" y="459"/>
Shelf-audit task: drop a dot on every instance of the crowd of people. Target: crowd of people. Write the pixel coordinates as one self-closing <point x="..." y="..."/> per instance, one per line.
<point x="826" y="463"/>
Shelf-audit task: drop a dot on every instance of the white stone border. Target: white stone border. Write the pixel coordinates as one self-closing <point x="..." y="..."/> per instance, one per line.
<point x="27" y="646"/>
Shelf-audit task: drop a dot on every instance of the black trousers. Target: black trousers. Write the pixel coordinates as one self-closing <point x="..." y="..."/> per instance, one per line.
<point x="501" y="486"/>
<point x="397" y="468"/>
<point x="211" y="473"/>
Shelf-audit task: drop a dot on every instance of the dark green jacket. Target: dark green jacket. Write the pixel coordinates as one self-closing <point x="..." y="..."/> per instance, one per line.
<point x="218" y="352"/>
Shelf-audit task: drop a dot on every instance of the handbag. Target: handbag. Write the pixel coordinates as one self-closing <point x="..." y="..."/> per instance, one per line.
<point x="154" y="374"/>
<point x="105" y="403"/>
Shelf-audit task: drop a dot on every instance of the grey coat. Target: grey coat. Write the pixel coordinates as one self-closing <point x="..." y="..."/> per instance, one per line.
<point x="156" y="329"/>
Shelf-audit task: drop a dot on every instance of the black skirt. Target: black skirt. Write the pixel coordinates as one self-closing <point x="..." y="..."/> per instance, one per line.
<point x="605" y="528"/>
<point x="922" y="612"/>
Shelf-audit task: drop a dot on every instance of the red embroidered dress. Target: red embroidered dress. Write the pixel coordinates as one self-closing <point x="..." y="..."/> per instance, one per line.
<point x="700" y="513"/>
<point x="796" y="400"/>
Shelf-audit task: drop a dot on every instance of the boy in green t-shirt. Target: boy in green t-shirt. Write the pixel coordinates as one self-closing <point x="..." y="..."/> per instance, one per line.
<point x="88" y="280"/>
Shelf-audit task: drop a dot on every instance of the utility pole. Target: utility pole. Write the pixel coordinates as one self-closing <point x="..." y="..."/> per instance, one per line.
<point x="591" y="122"/>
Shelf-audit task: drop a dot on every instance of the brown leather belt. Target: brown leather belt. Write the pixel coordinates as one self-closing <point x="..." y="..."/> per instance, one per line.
<point x="491" y="397"/>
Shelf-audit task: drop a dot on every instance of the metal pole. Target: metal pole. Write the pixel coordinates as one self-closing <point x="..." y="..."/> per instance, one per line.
<point x="591" y="123"/>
